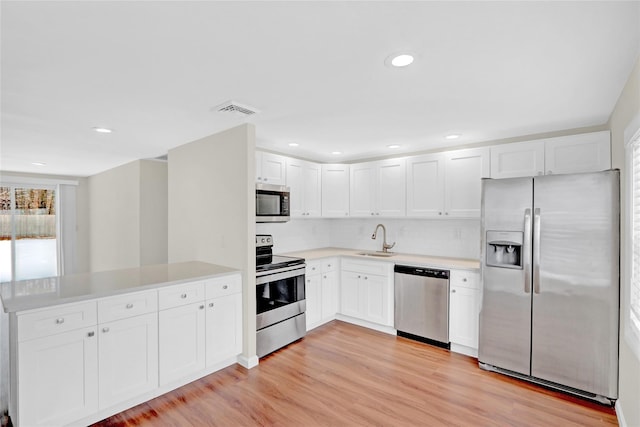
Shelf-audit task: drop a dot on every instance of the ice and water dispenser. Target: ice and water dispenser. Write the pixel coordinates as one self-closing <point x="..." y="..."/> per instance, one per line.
<point x="504" y="249"/>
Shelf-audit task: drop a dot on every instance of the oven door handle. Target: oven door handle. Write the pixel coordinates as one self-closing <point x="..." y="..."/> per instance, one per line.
<point x="279" y="274"/>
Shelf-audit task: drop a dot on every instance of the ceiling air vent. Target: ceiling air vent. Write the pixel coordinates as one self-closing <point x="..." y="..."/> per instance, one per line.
<point x="236" y="109"/>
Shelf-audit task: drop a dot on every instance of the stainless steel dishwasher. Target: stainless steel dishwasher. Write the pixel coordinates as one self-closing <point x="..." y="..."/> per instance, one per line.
<point x="422" y="304"/>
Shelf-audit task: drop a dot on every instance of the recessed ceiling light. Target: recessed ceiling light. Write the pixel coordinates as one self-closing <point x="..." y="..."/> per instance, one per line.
<point x="453" y="136"/>
<point x="399" y="60"/>
<point x="393" y="146"/>
<point x="38" y="163"/>
<point x="102" y="130"/>
<point x="336" y="152"/>
<point x="293" y="144"/>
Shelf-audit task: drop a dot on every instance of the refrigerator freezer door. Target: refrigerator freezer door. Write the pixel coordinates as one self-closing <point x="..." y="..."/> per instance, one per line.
<point x="505" y="317"/>
<point x="576" y="293"/>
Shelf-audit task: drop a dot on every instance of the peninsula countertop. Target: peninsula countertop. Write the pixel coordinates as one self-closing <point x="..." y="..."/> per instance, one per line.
<point x="50" y="291"/>
<point x="397" y="258"/>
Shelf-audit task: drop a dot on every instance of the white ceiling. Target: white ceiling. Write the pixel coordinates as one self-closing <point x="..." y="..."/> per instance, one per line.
<point x="153" y="71"/>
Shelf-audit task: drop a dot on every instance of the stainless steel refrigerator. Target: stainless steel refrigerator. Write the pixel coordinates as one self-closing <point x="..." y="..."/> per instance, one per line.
<point x="550" y="278"/>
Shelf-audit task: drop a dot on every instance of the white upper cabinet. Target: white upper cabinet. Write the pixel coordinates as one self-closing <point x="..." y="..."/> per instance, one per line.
<point x="270" y="168"/>
<point x="589" y="152"/>
<point x="304" y="180"/>
<point x="464" y="170"/>
<point x="518" y="159"/>
<point x="335" y="190"/>
<point x="378" y="188"/>
<point x="448" y="184"/>
<point x="425" y="185"/>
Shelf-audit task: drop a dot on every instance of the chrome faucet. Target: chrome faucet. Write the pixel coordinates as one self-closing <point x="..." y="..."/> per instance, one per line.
<point x="385" y="245"/>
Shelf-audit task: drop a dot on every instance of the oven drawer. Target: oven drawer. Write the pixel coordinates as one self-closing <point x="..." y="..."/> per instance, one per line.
<point x="177" y="295"/>
<point x="223" y="286"/>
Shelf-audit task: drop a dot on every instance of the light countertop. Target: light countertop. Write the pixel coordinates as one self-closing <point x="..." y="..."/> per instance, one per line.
<point x="38" y="293"/>
<point x="398" y="258"/>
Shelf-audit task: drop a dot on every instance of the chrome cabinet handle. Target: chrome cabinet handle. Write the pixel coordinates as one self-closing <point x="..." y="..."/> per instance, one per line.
<point x="60" y="321"/>
<point x="264" y="179"/>
<point x="439" y="213"/>
<point x="201" y="307"/>
<point x="129" y="305"/>
<point x="453" y="291"/>
<point x="105" y="330"/>
<point x="365" y="277"/>
<point x="464" y="279"/>
<point x="183" y="296"/>
<point x="536" y="251"/>
<point x="210" y="304"/>
<point x="90" y="334"/>
<point x="324" y="277"/>
<point x="225" y="287"/>
<point x="527" y="251"/>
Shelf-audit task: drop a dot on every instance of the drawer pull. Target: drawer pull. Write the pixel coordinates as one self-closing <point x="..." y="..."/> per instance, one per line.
<point x="453" y="291"/>
<point x="60" y="321"/>
<point x="183" y="296"/>
<point x="201" y="307"/>
<point x="129" y="305"/>
<point x="225" y="287"/>
<point x="90" y="334"/>
<point x="105" y="330"/>
<point x="210" y="304"/>
<point x="464" y="279"/>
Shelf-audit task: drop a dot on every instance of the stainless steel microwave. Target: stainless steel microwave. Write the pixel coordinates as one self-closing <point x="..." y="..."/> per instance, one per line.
<point x="272" y="203"/>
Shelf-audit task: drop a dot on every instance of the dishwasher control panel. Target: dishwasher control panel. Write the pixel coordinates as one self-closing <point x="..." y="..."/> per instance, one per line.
<point x="419" y="271"/>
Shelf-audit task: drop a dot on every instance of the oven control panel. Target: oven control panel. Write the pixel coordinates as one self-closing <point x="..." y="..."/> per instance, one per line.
<point x="264" y="240"/>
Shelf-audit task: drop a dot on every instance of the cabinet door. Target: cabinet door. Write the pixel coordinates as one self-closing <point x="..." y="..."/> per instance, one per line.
<point x="463" y="312"/>
<point x="270" y="168"/>
<point x="391" y="183"/>
<point x="590" y="152"/>
<point x="329" y="295"/>
<point x="362" y="190"/>
<point x="223" y="328"/>
<point x="373" y="293"/>
<point x="464" y="170"/>
<point x="425" y="186"/>
<point x="182" y="341"/>
<point x="516" y="160"/>
<point x="335" y="191"/>
<point x="313" y="295"/>
<point x="312" y="178"/>
<point x="350" y="294"/>
<point x="58" y="378"/>
<point x="128" y="357"/>
<point x="295" y="177"/>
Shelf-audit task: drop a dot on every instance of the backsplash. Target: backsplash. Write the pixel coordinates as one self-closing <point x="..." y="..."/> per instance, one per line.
<point x="457" y="238"/>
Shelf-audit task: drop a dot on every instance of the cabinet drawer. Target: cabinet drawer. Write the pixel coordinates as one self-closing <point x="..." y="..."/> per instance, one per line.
<point x="177" y="295"/>
<point x="464" y="279"/>
<point x="128" y="305"/>
<point x="314" y="267"/>
<point x="367" y="267"/>
<point x="55" y="320"/>
<point x="329" y="264"/>
<point x="223" y="286"/>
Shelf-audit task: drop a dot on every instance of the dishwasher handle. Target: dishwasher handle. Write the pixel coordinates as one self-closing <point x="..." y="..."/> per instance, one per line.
<point x="420" y="271"/>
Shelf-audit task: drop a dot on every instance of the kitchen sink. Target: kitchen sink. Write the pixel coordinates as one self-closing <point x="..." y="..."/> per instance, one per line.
<point x="377" y="253"/>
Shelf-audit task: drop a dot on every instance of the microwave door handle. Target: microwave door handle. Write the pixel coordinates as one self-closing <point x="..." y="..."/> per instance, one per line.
<point x="527" y="251"/>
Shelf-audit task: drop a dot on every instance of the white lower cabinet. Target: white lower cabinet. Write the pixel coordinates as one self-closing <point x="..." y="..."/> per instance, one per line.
<point x="366" y="291"/>
<point x="57" y="378"/>
<point x="464" y="310"/>
<point x="77" y="363"/>
<point x="128" y="355"/>
<point x="321" y="292"/>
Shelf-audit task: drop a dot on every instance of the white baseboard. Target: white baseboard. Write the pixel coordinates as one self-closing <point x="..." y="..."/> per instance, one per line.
<point x="621" y="420"/>
<point x="463" y="349"/>
<point x="381" y="328"/>
<point x="248" y="362"/>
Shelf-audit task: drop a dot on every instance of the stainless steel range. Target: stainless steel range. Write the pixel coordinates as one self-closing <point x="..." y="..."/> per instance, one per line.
<point x="280" y="298"/>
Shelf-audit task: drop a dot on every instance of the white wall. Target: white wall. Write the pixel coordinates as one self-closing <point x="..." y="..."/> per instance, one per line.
<point x="212" y="210"/>
<point x="114" y="210"/>
<point x="153" y="212"/>
<point x="627" y="108"/>
<point x="450" y="238"/>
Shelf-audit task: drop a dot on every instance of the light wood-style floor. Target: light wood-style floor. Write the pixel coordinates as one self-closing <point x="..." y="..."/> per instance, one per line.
<point x="345" y="375"/>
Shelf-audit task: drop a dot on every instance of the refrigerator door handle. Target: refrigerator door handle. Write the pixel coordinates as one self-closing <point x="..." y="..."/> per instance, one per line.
<point x="527" y="249"/>
<point x="536" y="250"/>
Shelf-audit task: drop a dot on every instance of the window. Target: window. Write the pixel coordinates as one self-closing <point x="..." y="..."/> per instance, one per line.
<point x="631" y="285"/>
<point x="28" y="232"/>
